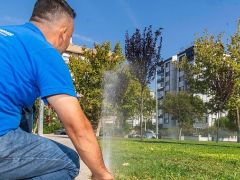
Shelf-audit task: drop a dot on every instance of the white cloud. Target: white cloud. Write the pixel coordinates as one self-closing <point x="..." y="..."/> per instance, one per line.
<point x="130" y="13"/>
<point x="83" y="38"/>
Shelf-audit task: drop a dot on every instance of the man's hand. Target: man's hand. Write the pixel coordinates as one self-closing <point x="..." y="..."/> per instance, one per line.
<point x="81" y="134"/>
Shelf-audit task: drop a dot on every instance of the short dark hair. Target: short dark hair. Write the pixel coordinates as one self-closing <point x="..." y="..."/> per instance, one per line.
<point x="46" y="9"/>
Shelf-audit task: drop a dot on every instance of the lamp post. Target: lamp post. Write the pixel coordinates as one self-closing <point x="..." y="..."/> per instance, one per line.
<point x="41" y="116"/>
<point x="156" y="96"/>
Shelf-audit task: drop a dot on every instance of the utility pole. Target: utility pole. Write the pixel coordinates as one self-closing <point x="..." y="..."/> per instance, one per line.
<point x="238" y="28"/>
<point x="41" y="116"/>
<point x="156" y="96"/>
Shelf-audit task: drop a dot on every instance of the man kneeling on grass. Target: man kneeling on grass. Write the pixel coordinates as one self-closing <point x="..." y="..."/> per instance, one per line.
<point x="31" y="67"/>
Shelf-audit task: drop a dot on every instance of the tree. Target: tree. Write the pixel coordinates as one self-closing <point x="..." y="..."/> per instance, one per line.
<point x="184" y="108"/>
<point x="149" y="108"/>
<point x="115" y="85"/>
<point x="226" y="123"/>
<point x="142" y="52"/>
<point x="88" y="75"/>
<point x="234" y="105"/>
<point x="123" y="79"/>
<point x="214" y="71"/>
<point x="129" y="99"/>
<point x="234" y="101"/>
<point x="232" y="117"/>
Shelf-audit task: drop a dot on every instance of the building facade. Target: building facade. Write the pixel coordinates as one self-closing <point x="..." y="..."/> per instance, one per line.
<point x="73" y="50"/>
<point x="172" y="79"/>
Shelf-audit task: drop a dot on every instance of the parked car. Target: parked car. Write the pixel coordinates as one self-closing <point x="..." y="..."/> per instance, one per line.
<point x="60" y="132"/>
<point x="134" y="135"/>
<point x="150" y="135"/>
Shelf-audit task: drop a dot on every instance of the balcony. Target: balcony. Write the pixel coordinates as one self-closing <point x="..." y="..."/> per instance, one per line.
<point x="181" y="84"/>
<point x="181" y="73"/>
<point x="167" y="88"/>
<point x="160" y="71"/>
<point x="167" y="78"/>
<point x="160" y="80"/>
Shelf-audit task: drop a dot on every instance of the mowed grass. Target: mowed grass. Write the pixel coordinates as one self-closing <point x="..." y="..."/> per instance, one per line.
<point x="133" y="159"/>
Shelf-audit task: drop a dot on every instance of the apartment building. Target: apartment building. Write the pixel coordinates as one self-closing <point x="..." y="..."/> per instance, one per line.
<point x="172" y="79"/>
<point x="74" y="50"/>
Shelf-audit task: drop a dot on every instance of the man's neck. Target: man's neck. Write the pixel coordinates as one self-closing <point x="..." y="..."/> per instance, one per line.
<point x="47" y="31"/>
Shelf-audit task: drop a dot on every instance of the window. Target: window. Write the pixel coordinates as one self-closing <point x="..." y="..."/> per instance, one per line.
<point x="206" y="118"/>
<point x="167" y="73"/>
<point x="166" y="121"/>
<point x="159" y="102"/>
<point x="174" y="122"/>
<point x="181" y="88"/>
<point x="161" y="69"/>
<point x="167" y="65"/>
<point x="182" y="57"/>
<point x="160" y="85"/>
<point x="166" y="92"/>
<point x="181" y="79"/>
<point x="160" y="94"/>
<point x="166" y="118"/>
<point x="160" y="76"/>
<point x="167" y="83"/>
<point x="159" y="112"/>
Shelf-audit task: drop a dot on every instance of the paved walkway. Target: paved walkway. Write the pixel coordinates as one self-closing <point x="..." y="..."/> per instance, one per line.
<point x="63" y="139"/>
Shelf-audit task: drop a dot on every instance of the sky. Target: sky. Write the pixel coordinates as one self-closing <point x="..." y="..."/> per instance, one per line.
<point x="108" y="20"/>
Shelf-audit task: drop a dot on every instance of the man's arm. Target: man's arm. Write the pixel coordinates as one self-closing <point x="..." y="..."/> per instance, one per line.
<point x="81" y="134"/>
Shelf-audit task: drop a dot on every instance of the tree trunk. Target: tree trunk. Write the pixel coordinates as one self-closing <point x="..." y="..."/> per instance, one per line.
<point x="180" y="134"/>
<point x="218" y="117"/>
<point x="36" y="126"/>
<point x="141" y="113"/>
<point x="123" y="125"/>
<point x="145" y="128"/>
<point x="238" y="125"/>
<point x="133" y="122"/>
<point x="99" y="128"/>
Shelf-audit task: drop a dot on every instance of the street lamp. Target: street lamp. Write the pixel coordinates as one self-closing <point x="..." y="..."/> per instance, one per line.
<point x="41" y="116"/>
<point x="156" y="96"/>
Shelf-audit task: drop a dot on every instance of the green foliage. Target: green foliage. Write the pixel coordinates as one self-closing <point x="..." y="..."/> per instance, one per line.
<point x="123" y="79"/>
<point x="51" y="123"/>
<point x="225" y="123"/>
<point x="234" y="61"/>
<point x="88" y="73"/>
<point x="132" y="101"/>
<point x="52" y="126"/>
<point x="215" y="71"/>
<point x="183" y="107"/>
<point x="232" y="117"/>
<point x="134" y="160"/>
<point x="149" y="104"/>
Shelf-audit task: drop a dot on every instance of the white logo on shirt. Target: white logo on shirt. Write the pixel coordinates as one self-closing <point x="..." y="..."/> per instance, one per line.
<point x="5" y="33"/>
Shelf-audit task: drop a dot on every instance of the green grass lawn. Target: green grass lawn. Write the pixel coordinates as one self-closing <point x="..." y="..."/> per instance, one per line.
<point x="133" y="159"/>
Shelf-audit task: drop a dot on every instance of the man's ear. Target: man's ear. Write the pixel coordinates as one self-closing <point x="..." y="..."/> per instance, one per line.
<point x="62" y="35"/>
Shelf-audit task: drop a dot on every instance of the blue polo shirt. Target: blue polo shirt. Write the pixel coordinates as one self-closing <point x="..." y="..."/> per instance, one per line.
<point x="29" y="68"/>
